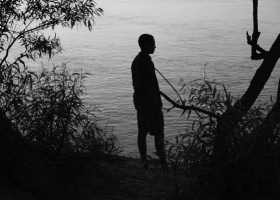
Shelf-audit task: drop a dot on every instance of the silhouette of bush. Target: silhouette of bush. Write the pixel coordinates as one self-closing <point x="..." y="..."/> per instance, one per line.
<point x="251" y="170"/>
<point x="47" y="108"/>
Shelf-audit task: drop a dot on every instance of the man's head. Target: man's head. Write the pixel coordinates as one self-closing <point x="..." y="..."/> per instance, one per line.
<point x="147" y="43"/>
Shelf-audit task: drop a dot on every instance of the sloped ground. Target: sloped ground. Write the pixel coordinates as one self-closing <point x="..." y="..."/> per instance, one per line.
<point x="124" y="179"/>
<point x="120" y="179"/>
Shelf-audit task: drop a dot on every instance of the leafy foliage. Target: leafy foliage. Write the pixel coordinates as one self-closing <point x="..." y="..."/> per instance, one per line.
<point x="23" y="21"/>
<point x="46" y="107"/>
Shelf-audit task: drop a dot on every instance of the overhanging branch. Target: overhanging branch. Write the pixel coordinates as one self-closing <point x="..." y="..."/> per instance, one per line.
<point x="260" y="78"/>
<point x="191" y="107"/>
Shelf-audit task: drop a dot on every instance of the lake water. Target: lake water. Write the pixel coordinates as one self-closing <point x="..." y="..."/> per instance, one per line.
<point x="188" y="34"/>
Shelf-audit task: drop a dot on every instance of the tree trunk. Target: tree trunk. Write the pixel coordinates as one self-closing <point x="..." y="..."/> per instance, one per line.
<point x="230" y="118"/>
<point x="264" y="133"/>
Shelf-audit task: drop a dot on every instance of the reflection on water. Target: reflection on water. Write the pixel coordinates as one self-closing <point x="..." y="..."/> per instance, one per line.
<point x="188" y="33"/>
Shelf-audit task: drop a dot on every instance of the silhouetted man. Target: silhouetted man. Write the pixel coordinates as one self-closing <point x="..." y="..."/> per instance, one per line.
<point x="147" y="100"/>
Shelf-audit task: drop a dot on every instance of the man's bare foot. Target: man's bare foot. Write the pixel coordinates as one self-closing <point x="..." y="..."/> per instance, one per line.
<point x="145" y="165"/>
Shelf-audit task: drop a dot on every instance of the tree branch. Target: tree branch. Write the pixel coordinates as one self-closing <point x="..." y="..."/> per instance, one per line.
<point x="12" y="43"/>
<point x="255" y="36"/>
<point x="185" y="108"/>
<point x="7" y="51"/>
<point x="231" y="117"/>
<point x="260" y="78"/>
<point x="255" y="47"/>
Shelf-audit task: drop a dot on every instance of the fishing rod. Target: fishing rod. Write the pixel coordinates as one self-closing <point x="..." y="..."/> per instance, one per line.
<point x="170" y="85"/>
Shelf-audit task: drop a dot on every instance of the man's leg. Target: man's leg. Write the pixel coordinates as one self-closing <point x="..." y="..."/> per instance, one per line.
<point x="141" y="140"/>
<point x="159" y="143"/>
<point x="142" y="146"/>
<point x="159" y="139"/>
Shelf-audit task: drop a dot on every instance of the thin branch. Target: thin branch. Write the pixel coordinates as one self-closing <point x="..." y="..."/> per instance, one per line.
<point x="12" y="43"/>
<point x="37" y="28"/>
<point x="185" y="108"/>
<point x="8" y="49"/>
<point x="44" y="25"/>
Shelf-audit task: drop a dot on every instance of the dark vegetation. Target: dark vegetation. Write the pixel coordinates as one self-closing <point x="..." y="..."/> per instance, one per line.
<point x="46" y="108"/>
<point x="46" y="131"/>
<point x="250" y="169"/>
<point x="232" y="150"/>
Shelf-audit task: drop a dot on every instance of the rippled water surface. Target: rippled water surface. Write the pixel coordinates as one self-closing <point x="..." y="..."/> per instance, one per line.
<point x="188" y="33"/>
